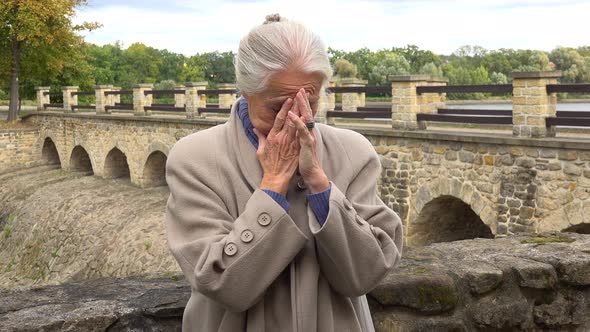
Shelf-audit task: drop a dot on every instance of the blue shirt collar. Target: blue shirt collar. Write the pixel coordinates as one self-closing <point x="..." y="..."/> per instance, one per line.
<point x="248" y="126"/>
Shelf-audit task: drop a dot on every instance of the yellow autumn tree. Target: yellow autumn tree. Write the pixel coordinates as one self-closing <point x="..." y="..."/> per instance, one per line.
<point x="34" y="24"/>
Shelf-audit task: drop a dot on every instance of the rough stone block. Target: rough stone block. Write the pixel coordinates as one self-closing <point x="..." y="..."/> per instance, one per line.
<point x="533" y="274"/>
<point x="501" y="313"/>
<point x="425" y="292"/>
<point x="567" y="155"/>
<point x="571" y="169"/>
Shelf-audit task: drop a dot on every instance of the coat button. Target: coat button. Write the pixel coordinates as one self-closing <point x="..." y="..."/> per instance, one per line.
<point x="359" y="220"/>
<point x="247" y="236"/>
<point x="347" y="204"/>
<point x="264" y="219"/>
<point x="230" y="249"/>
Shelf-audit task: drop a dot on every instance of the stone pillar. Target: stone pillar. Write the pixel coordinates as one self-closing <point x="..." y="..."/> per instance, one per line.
<point x="352" y="100"/>
<point x="531" y="104"/>
<point x="327" y="103"/>
<point x="192" y="99"/>
<point x="42" y="99"/>
<point x="69" y="100"/>
<point x="179" y="98"/>
<point x="140" y="100"/>
<point x="226" y="100"/>
<point x="102" y="100"/>
<point x="116" y="99"/>
<point x="406" y="102"/>
<point x="431" y="102"/>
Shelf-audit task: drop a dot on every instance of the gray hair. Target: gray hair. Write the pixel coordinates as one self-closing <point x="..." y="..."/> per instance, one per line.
<point x="273" y="47"/>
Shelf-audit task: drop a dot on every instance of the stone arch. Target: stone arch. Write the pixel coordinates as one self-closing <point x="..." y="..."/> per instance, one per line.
<point x="583" y="228"/>
<point x="158" y="146"/>
<point x="115" y="165"/>
<point x="49" y="152"/>
<point x="447" y="218"/>
<point x="80" y="160"/>
<point x="448" y="210"/>
<point x="154" y="170"/>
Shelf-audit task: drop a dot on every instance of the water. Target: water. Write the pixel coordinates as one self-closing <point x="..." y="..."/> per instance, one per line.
<point x="575" y="107"/>
<point x="68" y="226"/>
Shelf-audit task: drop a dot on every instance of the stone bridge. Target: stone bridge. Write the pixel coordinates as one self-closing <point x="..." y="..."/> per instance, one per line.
<point x="445" y="185"/>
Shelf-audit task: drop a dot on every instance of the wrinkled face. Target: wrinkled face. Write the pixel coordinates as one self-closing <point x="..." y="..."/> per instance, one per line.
<point x="264" y="106"/>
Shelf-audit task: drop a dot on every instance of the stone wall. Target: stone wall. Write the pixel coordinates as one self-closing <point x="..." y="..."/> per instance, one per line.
<point x="136" y="139"/>
<point x="518" y="283"/>
<point x="18" y="148"/>
<point x="511" y="184"/>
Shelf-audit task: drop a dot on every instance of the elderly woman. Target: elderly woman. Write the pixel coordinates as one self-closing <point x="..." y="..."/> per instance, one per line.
<point x="275" y="220"/>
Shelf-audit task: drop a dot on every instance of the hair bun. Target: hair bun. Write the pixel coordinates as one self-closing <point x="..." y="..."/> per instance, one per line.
<point x="273" y="18"/>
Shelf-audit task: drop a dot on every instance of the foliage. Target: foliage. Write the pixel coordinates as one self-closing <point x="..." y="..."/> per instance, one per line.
<point x="498" y="78"/>
<point x="431" y="69"/>
<point x="40" y="38"/>
<point x="165" y="85"/>
<point x="459" y="75"/>
<point x="344" y="69"/>
<point x="70" y="61"/>
<point x="392" y="64"/>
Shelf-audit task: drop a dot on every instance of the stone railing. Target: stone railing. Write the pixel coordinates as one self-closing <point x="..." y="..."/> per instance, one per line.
<point x="416" y="100"/>
<point x="189" y="98"/>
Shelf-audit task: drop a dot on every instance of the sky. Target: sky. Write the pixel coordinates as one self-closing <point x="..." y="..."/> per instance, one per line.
<point x="196" y="26"/>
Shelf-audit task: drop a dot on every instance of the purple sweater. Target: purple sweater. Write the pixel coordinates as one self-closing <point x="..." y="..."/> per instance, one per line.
<point x="319" y="202"/>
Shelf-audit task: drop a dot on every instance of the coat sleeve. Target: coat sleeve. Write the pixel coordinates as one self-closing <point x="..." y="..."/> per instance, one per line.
<point x="362" y="238"/>
<point x="230" y="260"/>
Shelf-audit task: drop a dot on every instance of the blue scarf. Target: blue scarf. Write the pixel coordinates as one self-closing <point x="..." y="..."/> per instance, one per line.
<point x="243" y="114"/>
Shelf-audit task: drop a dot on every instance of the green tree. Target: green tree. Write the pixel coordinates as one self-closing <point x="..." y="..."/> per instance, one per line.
<point x="498" y="78"/>
<point x="393" y="64"/>
<point x="219" y="67"/>
<point x="431" y="69"/>
<point x="574" y="66"/>
<point x="193" y="69"/>
<point x="106" y="62"/>
<point x="141" y="64"/>
<point x="344" y="69"/>
<point x="45" y="26"/>
<point x="417" y="58"/>
<point x="172" y="64"/>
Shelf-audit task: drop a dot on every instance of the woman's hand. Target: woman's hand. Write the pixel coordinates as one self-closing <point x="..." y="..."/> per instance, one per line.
<point x="278" y="152"/>
<point x="309" y="165"/>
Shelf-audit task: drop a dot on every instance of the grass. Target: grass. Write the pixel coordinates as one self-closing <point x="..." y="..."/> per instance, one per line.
<point x="548" y="239"/>
<point x="23" y="103"/>
<point x="7" y="231"/>
<point x="147" y="244"/>
<point x="10" y="265"/>
<point x="171" y="275"/>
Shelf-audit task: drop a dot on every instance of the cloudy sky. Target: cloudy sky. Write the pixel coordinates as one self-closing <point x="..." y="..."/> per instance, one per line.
<point x="191" y="26"/>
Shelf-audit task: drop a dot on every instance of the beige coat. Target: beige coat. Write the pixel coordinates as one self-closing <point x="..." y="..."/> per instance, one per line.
<point x="254" y="267"/>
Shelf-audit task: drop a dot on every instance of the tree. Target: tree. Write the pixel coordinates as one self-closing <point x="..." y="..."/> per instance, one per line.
<point x="574" y="66"/>
<point x="42" y="25"/>
<point x="344" y="69"/>
<point x="219" y="67"/>
<point x="498" y="78"/>
<point x="393" y="64"/>
<point x="418" y="58"/>
<point x="431" y="69"/>
<point x="193" y="69"/>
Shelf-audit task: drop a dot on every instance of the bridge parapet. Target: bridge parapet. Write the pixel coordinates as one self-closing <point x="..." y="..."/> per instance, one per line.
<point x="532" y="104"/>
